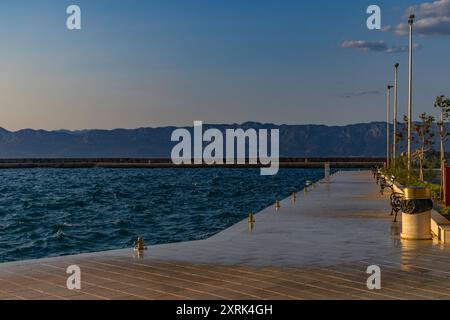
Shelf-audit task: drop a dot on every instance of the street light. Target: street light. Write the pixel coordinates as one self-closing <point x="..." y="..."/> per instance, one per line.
<point x="394" y="147"/>
<point x="388" y="129"/>
<point x="410" y="22"/>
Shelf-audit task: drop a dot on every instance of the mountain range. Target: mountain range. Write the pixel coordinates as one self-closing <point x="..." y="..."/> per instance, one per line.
<point x="355" y="140"/>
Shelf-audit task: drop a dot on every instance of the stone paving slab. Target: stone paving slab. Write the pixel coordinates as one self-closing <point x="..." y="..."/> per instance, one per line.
<point x="316" y="247"/>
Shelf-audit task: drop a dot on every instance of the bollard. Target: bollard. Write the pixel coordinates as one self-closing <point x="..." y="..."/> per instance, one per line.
<point x="251" y="221"/>
<point x="140" y="244"/>
<point x="327" y="172"/>
<point x="139" y="248"/>
<point x="416" y="215"/>
<point x="277" y="205"/>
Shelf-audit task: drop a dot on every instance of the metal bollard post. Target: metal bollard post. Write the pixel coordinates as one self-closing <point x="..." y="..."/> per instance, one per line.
<point x="251" y="222"/>
<point x="277" y="205"/>
<point x="139" y="248"/>
<point x="327" y="172"/>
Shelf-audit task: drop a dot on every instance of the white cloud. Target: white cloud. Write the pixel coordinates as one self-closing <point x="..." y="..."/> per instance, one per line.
<point x="432" y="18"/>
<point x="375" y="46"/>
<point x="379" y="46"/>
<point x="438" y="8"/>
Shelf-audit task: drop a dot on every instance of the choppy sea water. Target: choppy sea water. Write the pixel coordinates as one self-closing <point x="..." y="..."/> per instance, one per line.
<point x="52" y="212"/>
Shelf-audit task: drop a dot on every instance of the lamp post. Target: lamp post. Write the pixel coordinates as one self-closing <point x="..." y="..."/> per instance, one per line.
<point x="410" y="22"/>
<point x="394" y="147"/>
<point x="388" y="123"/>
<point x="442" y="158"/>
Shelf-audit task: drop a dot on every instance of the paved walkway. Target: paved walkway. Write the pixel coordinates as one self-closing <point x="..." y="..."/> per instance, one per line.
<point x="317" y="247"/>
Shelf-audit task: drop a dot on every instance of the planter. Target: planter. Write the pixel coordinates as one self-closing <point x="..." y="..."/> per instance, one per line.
<point x="416" y="214"/>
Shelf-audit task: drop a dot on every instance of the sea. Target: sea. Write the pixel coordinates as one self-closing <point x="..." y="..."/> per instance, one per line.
<point x="54" y="212"/>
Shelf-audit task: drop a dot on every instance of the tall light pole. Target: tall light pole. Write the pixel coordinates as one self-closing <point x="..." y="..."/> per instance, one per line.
<point x="388" y="124"/>
<point x="410" y="22"/>
<point x="394" y="147"/>
<point x="441" y="133"/>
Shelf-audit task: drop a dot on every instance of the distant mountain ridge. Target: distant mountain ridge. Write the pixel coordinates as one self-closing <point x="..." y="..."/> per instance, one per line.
<point x="355" y="140"/>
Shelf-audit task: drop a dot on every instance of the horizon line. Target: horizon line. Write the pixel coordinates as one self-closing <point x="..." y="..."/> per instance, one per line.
<point x="191" y="126"/>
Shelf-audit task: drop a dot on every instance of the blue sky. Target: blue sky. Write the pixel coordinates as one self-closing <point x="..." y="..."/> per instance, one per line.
<point x="154" y="63"/>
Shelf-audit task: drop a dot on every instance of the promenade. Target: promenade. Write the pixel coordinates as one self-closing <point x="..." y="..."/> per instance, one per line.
<point x="317" y="246"/>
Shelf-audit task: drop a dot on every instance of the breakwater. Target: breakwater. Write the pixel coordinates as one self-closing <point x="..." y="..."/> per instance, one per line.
<point x="336" y="162"/>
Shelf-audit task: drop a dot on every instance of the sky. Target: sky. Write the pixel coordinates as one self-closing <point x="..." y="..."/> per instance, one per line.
<point x="150" y="63"/>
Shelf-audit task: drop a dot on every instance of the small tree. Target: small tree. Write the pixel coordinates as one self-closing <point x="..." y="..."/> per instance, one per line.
<point x="443" y="104"/>
<point x="425" y="140"/>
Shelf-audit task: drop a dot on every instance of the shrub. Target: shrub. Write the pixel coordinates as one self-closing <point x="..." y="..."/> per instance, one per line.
<point x="400" y="171"/>
<point x="445" y="211"/>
